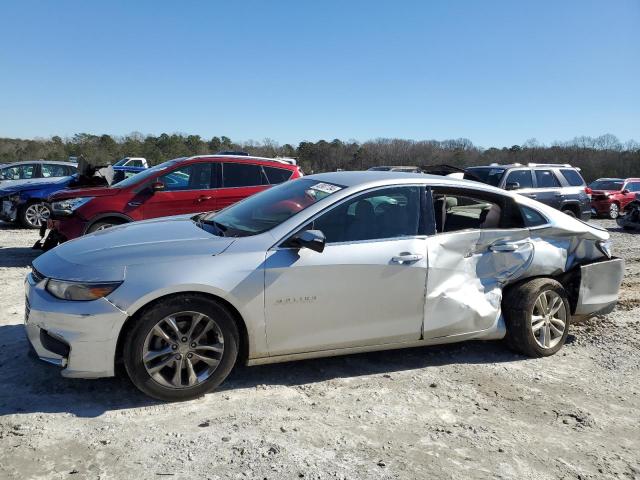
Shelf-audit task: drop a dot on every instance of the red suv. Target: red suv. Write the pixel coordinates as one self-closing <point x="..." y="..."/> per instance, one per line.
<point x="180" y="186"/>
<point x="610" y="196"/>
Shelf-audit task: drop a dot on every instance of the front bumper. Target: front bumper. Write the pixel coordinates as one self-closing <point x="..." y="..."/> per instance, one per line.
<point x="8" y="210"/>
<point x="68" y="227"/>
<point x="601" y="207"/>
<point x="89" y="330"/>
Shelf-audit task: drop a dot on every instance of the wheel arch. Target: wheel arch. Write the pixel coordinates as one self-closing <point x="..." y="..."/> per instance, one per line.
<point x="243" y="351"/>
<point x="103" y="216"/>
<point x="572" y="205"/>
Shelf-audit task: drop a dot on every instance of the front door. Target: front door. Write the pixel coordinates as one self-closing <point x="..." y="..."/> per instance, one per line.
<point x="366" y="288"/>
<point x="478" y="247"/>
<point x="187" y="189"/>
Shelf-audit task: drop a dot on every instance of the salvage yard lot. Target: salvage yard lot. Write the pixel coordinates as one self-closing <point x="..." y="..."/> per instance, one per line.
<point x="470" y="409"/>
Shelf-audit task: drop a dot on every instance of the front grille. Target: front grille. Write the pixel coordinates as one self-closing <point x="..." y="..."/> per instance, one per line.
<point x="36" y="275"/>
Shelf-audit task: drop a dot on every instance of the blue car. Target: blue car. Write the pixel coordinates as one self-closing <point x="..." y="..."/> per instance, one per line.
<point x="26" y="203"/>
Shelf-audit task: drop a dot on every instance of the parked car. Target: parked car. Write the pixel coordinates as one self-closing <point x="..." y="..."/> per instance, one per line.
<point x="610" y="196"/>
<point x="324" y="265"/>
<point x="183" y="185"/>
<point x="397" y="168"/>
<point x="137" y="162"/>
<point x="26" y="202"/>
<point x="34" y="171"/>
<point x="631" y="219"/>
<point x="560" y="186"/>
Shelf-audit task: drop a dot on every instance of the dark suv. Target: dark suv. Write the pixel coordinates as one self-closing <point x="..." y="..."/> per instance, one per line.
<point x="558" y="185"/>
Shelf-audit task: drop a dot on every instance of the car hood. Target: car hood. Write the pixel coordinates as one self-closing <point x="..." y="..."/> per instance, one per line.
<point x="84" y="192"/>
<point x="105" y="255"/>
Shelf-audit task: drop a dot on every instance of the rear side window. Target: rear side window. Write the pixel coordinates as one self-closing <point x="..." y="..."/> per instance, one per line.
<point x="53" y="170"/>
<point x="573" y="177"/>
<point x="522" y="177"/>
<point x="242" y="175"/>
<point x="532" y="218"/>
<point x="277" y="175"/>
<point x="546" y="179"/>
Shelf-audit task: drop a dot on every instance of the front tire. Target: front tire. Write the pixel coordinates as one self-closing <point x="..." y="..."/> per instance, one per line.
<point x="537" y="315"/>
<point x="568" y="211"/>
<point x="103" y="225"/>
<point x="181" y="348"/>
<point x="34" y="214"/>
<point x="614" y="211"/>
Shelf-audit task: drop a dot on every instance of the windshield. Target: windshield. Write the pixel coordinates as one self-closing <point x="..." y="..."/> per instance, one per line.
<point x="611" y="184"/>
<point x="267" y="209"/>
<point x="145" y="174"/>
<point x="488" y="175"/>
<point x="120" y="162"/>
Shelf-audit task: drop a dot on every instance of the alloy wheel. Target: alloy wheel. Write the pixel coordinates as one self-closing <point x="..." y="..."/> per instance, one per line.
<point x="614" y="211"/>
<point x="183" y="350"/>
<point x="36" y="214"/>
<point x="548" y="319"/>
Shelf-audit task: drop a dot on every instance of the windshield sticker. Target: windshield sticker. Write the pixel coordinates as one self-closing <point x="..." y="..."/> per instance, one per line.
<point x="326" y="187"/>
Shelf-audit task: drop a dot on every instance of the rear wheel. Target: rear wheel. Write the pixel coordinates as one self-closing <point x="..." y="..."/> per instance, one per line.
<point x="614" y="211"/>
<point x="34" y="214"/>
<point x="537" y="314"/>
<point x="181" y="348"/>
<point x="569" y="212"/>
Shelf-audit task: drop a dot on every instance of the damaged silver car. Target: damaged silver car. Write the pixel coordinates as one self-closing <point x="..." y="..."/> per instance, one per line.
<point x="325" y="265"/>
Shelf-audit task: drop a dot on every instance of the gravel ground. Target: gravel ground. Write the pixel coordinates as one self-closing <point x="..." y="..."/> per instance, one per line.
<point x="471" y="410"/>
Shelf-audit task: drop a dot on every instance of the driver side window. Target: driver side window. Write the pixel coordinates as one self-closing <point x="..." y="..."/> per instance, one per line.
<point x="385" y="213"/>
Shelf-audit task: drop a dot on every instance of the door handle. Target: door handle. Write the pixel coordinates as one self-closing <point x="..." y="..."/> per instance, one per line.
<point x="134" y="204"/>
<point x="503" y="247"/>
<point x="204" y="198"/>
<point x="407" y="258"/>
<point x="530" y="195"/>
<point x="558" y="194"/>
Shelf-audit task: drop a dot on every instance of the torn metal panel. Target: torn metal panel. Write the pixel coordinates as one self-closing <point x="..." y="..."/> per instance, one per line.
<point x="599" y="286"/>
<point x="467" y="271"/>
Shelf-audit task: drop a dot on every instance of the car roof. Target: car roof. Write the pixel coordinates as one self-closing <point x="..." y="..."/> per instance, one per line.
<point x="509" y="166"/>
<point x="26" y="162"/>
<point x="238" y="159"/>
<point x="355" y="178"/>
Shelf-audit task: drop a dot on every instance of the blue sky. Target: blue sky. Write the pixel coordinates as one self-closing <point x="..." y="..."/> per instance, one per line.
<point x="496" y="72"/>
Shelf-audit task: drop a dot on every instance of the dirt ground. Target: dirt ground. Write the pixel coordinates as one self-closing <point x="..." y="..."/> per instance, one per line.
<point x="471" y="410"/>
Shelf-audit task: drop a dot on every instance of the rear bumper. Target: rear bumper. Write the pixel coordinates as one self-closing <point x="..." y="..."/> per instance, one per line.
<point x="599" y="287"/>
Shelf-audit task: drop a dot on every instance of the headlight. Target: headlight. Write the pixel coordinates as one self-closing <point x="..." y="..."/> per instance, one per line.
<point x="70" y="205"/>
<point x="605" y="247"/>
<point x="80" y="291"/>
<point x="15" y="198"/>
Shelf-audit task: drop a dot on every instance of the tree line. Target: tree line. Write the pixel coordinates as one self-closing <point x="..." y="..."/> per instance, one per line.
<point x="603" y="156"/>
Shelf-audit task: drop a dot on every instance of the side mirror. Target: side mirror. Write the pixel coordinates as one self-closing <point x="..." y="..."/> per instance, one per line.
<point x="512" y="186"/>
<point x="311" y="239"/>
<point x="625" y="192"/>
<point x="157" y="187"/>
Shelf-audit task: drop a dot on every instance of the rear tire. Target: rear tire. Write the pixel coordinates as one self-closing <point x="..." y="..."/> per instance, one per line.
<point x="537" y="315"/>
<point x="569" y="212"/>
<point x="190" y="334"/>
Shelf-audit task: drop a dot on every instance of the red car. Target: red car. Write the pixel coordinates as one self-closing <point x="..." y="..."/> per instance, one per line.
<point x="610" y="196"/>
<point x="180" y="186"/>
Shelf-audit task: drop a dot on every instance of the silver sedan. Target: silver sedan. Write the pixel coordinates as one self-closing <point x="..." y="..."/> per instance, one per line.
<point x="325" y="265"/>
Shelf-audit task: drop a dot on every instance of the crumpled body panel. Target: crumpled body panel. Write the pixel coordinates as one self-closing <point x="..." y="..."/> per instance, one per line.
<point x="469" y="269"/>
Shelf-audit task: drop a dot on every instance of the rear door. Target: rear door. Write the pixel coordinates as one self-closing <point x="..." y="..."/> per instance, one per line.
<point x="239" y="180"/>
<point x="548" y="188"/>
<point x="187" y="189"/>
<point x="480" y="243"/>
